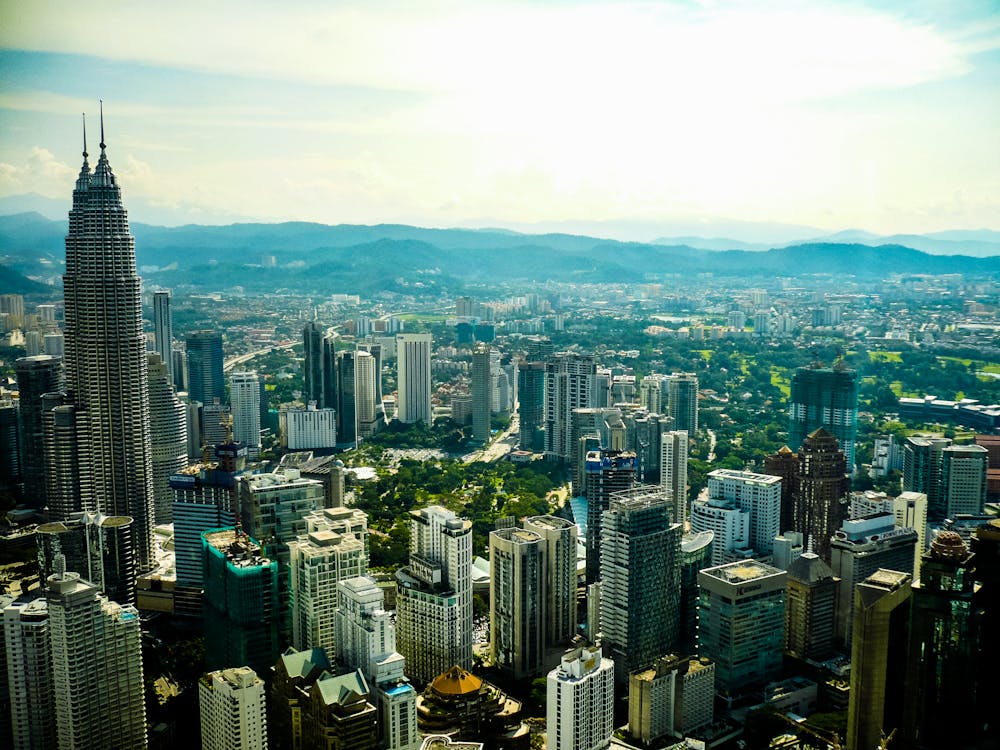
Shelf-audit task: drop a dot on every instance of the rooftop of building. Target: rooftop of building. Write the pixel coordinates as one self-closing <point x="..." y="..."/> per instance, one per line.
<point x="748" y="477"/>
<point x="305" y="662"/>
<point x="742" y="571"/>
<point x="343" y="689"/>
<point x="517" y="535"/>
<point x="239" y="549"/>
<point x="456" y="681"/>
<point x="887" y="579"/>
<point x="550" y="522"/>
<point x="809" y="568"/>
<point x="444" y="742"/>
<point x="699" y="540"/>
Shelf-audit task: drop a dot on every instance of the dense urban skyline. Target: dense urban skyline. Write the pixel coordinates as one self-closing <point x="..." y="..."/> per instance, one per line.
<point x="627" y="120"/>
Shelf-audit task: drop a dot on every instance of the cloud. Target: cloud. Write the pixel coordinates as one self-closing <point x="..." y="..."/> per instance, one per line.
<point x="40" y="173"/>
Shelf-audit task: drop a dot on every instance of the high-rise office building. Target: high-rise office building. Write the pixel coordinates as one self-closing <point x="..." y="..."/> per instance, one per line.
<point x="682" y="401"/>
<point x="13" y="304"/>
<point x="241" y="602"/>
<point x="741" y="620"/>
<point x="434" y="600"/>
<point x="347" y="399"/>
<point x="963" y="479"/>
<point x="878" y="658"/>
<point x="367" y="406"/>
<point x="653" y="393"/>
<point x="922" y="471"/>
<point x="36" y="376"/>
<point x="319" y="560"/>
<point x="309" y="428"/>
<point x="674" y="697"/>
<point x="312" y="364"/>
<point x="204" y="362"/>
<point x="106" y="355"/>
<point x="784" y="464"/>
<point x="10" y="451"/>
<point x="96" y="666"/>
<point x="413" y="361"/>
<point x="292" y="676"/>
<point x="68" y="488"/>
<point x="640" y="578"/>
<point x="859" y="548"/>
<point x="605" y="473"/>
<point x="482" y="392"/>
<point x="28" y="674"/>
<point x="820" y="495"/>
<point x="729" y="525"/>
<point x="559" y="586"/>
<point x="696" y="555"/>
<point x="674" y="472"/>
<point x="579" y="706"/>
<point x="570" y="383"/>
<point x="168" y="436"/>
<point x="163" y="330"/>
<point x="828" y="398"/>
<point x="986" y="572"/>
<point x="809" y="603"/>
<point x="233" y="708"/>
<point x="244" y="397"/>
<point x="531" y="406"/>
<point x="946" y="630"/>
<point x="517" y="602"/>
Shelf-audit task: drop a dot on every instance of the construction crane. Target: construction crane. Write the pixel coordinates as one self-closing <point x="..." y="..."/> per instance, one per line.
<point x="830" y="738"/>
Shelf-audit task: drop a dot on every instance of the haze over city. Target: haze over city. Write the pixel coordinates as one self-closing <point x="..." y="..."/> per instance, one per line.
<point x="628" y="120"/>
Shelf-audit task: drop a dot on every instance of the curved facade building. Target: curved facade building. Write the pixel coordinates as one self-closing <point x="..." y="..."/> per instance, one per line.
<point x="168" y="421"/>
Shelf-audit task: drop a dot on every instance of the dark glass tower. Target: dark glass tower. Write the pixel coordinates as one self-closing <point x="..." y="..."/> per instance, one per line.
<point x="828" y="398"/>
<point x="106" y="374"/>
<point x="820" y="491"/>
<point x="204" y="359"/>
<point x="36" y="376"/>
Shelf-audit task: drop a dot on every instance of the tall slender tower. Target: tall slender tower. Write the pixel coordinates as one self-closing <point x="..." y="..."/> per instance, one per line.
<point x="413" y="358"/>
<point x="827" y="398"/>
<point x="163" y="328"/>
<point x="674" y="472"/>
<point x="36" y="376"/>
<point x="482" y="389"/>
<point x="106" y="372"/>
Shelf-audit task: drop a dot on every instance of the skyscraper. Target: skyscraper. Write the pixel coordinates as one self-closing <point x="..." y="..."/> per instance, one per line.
<point x="559" y="586"/>
<point x="682" y="401"/>
<point x="828" y="398"/>
<point x="674" y="472"/>
<point x="946" y="628"/>
<point x="204" y="361"/>
<point x="36" y="376"/>
<point x="434" y="603"/>
<point x="640" y="578"/>
<point x="579" y="706"/>
<point x="233" y="709"/>
<point x="168" y="436"/>
<point x="878" y="658"/>
<point x="820" y="495"/>
<point x="963" y="479"/>
<point x="809" y="603"/>
<point x="347" y="399"/>
<point x="605" y="473"/>
<point x="105" y="359"/>
<point x="517" y="602"/>
<point x="482" y="393"/>
<point x="368" y="407"/>
<point x="922" y="471"/>
<point x="413" y="360"/>
<point x="784" y="464"/>
<point x="759" y="495"/>
<point x="741" y="619"/>
<point x="312" y="365"/>
<point x="28" y="673"/>
<point x="531" y="405"/>
<point x="96" y="667"/>
<point x="163" y="330"/>
<point x="570" y="383"/>
<point x="244" y="396"/>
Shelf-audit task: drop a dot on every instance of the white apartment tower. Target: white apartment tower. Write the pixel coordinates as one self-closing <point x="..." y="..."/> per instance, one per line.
<point x="96" y="666"/>
<point x="318" y="561"/>
<point x="233" y="706"/>
<point x="366" y="640"/>
<point x="244" y="397"/>
<point x="434" y="600"/>
<point x="163" y="329"/>
<point x="413" y="359"/>
<point x="365" y="393"/>
<point x="759" y="495"/>
<point x="559" y="586"/>
<point x="674" y="472"/>
<point x="29" y="674"/>
<point x="579" y="706"/>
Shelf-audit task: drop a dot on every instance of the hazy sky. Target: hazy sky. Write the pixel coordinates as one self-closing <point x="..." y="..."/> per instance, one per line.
<point x="880" y="116"/>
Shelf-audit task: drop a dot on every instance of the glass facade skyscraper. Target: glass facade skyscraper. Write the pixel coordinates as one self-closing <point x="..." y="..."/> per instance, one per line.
<point x="824" y="397"/>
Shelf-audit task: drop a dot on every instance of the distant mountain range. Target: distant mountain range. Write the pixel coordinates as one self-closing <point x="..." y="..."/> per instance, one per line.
<point x="367" y="259"/>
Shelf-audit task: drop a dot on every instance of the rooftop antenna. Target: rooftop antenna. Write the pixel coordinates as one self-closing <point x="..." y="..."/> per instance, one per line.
<point x="84" y="135"/>
<point x="102" y="123"/>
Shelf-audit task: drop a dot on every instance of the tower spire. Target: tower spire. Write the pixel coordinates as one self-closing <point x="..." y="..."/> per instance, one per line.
<point x="102" y="123"/>
<point x="85" y="135"/>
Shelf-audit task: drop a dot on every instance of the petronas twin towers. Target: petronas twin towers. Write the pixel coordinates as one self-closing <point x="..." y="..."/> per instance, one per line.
<point x="106" y="377"/>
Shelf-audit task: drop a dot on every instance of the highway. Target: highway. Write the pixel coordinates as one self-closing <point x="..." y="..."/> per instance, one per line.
<point x="230" y="363"/>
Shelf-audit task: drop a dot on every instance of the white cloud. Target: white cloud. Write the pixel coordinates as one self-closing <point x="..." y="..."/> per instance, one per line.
<point x="40" y="173"/>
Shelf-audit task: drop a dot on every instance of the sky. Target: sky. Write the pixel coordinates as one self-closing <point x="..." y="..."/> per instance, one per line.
<point x="640" y="117"/>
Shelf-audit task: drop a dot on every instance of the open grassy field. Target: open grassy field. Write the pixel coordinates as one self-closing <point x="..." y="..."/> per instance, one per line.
<point x="885" y="356"/>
